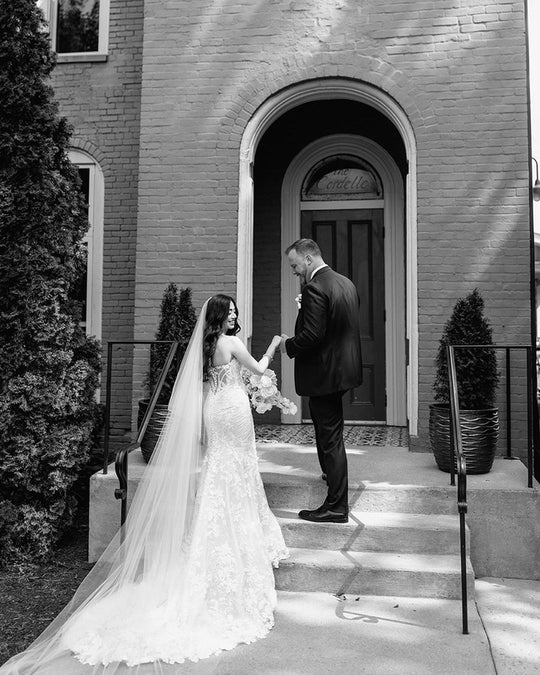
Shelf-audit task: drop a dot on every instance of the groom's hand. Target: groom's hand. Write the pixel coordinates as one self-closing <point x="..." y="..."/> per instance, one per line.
<point x="282" y="345"/>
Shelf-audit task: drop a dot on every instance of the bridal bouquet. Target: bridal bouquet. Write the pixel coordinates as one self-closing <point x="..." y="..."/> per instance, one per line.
<point x="264" y="394"/>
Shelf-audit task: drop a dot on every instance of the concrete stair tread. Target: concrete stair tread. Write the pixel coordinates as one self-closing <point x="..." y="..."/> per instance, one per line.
<point x="386" y="519"/>
<point x="374" y="531"/>
<point x="374" y="573"/>
<point x="410" y="562"/>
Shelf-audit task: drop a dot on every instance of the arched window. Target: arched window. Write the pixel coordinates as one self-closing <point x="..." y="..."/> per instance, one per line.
<point x="341" y="178"/>
<point x="90" y="291"/>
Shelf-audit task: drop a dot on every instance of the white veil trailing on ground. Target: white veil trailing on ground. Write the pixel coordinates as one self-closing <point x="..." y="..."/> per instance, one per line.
<point x="139" y="576"/>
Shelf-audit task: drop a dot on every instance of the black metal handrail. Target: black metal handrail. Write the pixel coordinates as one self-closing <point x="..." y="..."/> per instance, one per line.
<point x="121" y="461"/>
<point x="533" y="432"/>
<point x="108" y="389"/>
<point x="456" y="448"/>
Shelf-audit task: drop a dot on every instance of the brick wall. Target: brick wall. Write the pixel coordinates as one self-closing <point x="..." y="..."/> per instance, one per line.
<point x="457" y="70"/>
<point x="102" y="102"/>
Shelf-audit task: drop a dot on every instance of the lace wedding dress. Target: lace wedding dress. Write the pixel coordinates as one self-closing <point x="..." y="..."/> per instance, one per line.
<point x="227" y="557"/>
<point x="191" y="573"/>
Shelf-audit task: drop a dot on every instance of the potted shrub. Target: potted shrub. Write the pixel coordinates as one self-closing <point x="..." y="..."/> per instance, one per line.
<point x="477" y="379"/>
<point x="176" y="322"/>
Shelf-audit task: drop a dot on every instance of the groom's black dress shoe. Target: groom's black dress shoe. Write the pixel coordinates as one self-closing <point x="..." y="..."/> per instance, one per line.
<point x="323" y="515"/>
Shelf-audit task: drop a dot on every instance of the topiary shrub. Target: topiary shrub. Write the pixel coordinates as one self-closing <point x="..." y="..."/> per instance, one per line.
<point x="476" y="369"/>
<point x="177" y="319"/>
<point x="48" y="367"/>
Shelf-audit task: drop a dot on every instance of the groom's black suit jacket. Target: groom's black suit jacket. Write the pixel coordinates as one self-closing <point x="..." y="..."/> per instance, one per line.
<point x="326" y="342"/>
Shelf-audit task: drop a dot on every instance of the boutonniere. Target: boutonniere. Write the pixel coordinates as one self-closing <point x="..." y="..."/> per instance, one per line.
<point x="298" y="300"/>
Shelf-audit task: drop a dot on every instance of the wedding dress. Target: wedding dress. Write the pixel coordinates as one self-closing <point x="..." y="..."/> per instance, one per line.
<point x="194" y="575"/>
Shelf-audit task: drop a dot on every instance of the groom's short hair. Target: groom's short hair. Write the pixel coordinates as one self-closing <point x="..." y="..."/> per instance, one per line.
<point x="304" y="247"/>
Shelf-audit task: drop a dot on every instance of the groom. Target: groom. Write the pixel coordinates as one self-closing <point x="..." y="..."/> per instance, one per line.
<point x="328" y="362"/>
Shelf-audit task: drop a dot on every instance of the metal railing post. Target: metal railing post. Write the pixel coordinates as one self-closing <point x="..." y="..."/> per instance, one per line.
<point x="107" y="422"/>
<point x="536" y="421"/>
<point x="452" y="441"/>
<point x="508" y="407"/>
<point x="463" y="551"/>
<point x="461" y="467"/>
<point x="530" y="421"/>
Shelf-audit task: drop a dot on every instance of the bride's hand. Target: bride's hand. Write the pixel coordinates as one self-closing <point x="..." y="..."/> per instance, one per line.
<point x="276" y="342"/>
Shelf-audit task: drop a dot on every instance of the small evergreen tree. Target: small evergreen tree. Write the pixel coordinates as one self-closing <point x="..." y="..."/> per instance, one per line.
<point x="48" y="367"/>
<point x="176" y="322"/>
<point x="476" y="369"/>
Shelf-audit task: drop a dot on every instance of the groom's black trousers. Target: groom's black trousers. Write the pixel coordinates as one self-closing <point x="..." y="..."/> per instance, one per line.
<point x="327" y="415"/>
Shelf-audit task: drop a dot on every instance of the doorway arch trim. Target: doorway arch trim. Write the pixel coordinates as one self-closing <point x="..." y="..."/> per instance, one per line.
<point x="262" y="118"/>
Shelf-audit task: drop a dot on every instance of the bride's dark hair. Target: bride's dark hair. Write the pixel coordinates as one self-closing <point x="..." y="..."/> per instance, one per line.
<point x="217" y="312"/>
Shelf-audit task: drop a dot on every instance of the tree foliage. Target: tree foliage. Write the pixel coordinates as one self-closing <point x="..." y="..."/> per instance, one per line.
<point x="476" y="369"/>
<point x="176" y="322"/>
<point x="48" y="367"/>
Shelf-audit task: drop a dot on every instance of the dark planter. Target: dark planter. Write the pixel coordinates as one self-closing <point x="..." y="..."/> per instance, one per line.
<point x="479" y="433"/>
<point x="155" y="425"/>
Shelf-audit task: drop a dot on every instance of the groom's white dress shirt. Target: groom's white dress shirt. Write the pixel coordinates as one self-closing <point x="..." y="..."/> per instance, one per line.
<point x="316" y="270"/>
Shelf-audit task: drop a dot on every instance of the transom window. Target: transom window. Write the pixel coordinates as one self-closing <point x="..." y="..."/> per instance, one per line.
<point x="341" y="177"/>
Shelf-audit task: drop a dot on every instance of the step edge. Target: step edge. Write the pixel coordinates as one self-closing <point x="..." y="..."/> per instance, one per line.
<point x="336" y="559"/>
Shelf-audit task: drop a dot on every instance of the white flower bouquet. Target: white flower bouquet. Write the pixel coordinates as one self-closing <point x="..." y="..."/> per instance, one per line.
<point x="264" y="394"/>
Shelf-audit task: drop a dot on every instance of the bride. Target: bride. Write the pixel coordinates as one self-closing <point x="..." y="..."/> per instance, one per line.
<point x="190" y="574"/>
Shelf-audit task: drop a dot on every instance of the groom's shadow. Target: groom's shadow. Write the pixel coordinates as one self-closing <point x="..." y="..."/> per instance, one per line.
<point x="349" y="608"/>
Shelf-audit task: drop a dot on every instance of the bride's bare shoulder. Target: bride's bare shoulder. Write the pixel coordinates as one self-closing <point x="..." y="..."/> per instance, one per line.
<point x="229" y="346"/>
<point x="227" y="341"/>
<point x="225" y="347"/>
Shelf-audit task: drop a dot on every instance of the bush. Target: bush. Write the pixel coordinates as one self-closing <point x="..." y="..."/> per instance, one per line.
<point x="476" y="369"/>
<point x="177" y="319"/>
<point x="48" y="367"/>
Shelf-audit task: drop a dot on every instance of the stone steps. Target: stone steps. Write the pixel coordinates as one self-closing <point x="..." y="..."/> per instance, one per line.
<point x="401" y="539"/>
<point x="373" y="573"/>
<point x="374" y="531"/>
<point x="503" y="513"/>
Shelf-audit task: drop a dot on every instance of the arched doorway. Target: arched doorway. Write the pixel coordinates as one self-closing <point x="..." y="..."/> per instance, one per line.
<point x="333" y="90"/>
<point x="361" y="233"/>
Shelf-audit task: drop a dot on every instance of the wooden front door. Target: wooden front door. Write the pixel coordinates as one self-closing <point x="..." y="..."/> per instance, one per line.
<point x="352" y="243"/>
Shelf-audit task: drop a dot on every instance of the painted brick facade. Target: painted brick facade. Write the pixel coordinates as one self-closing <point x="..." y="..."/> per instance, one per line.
<point x="455" y="68"/>
<point x="102" y="102"/>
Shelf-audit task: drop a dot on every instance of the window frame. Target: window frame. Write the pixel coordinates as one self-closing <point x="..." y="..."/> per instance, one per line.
<point x="50" y="12"/>
<point x="94" y="240"/>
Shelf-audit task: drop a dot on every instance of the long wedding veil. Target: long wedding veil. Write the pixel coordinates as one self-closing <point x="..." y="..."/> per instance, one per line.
<point x="140" y="572"/>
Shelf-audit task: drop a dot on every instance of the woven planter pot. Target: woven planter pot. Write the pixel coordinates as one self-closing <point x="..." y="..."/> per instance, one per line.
<point x="479" y="433"/>
<point x="155" y="425"/>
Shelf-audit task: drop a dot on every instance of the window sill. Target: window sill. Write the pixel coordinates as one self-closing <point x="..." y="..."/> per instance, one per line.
<point x="91" y="57"/>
